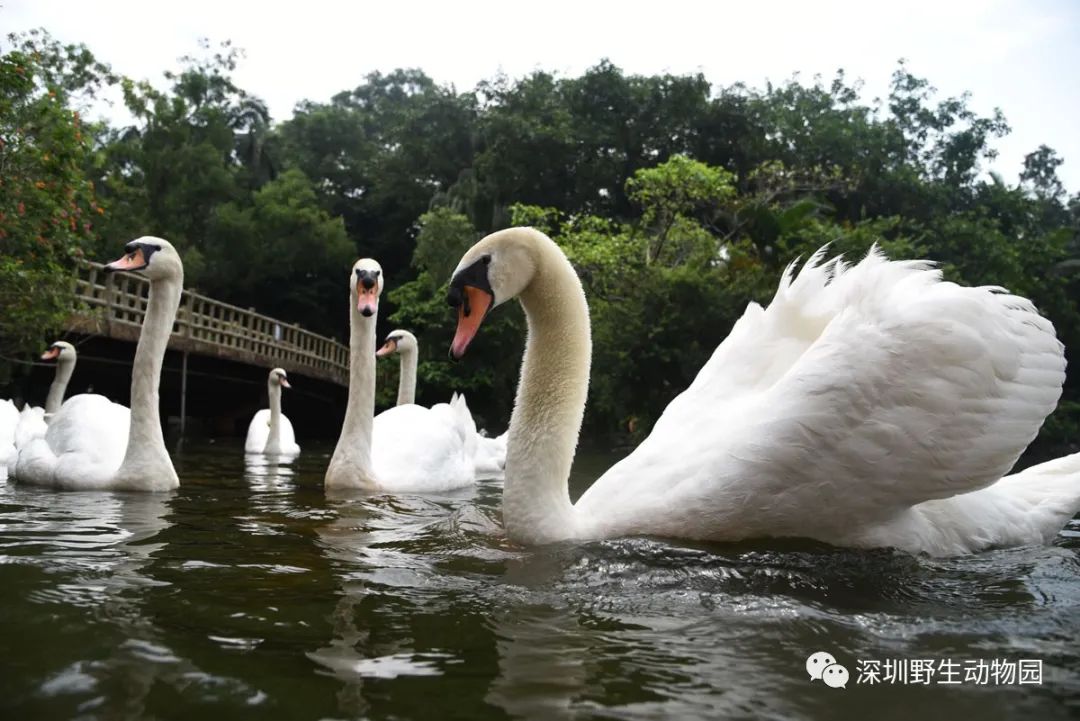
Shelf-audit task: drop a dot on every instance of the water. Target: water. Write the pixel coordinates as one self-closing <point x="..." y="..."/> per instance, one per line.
<point x="249" y="593"/>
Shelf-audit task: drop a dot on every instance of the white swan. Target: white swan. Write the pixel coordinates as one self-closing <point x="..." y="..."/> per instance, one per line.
<point x="9" y="422"/>
<point x="65" y="356"/>
<point x="404" y="344"/>
<point x="490" y="455"/>
<point x="79" y="451"/>
<point x="109" y="420"/>
<point x="868" y="406"/>
<point x="32" y="422"/>
<point x="407" y="448"/>
<point x="270" y="431"/>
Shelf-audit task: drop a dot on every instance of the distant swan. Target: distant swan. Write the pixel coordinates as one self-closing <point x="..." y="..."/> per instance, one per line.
<point x="270" y="431"/>
<point x="408" y="447"/>
<point x="490" y="455"/>
<point x="93" y="444"/>
<point x="18" y="428"/>
<point x="873" y="405"/>
<point x="9" y="422"/>
<point x="33" y="420"/>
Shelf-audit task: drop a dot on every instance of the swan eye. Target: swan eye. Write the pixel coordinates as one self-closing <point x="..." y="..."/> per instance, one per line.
<point x="486" y="259"/>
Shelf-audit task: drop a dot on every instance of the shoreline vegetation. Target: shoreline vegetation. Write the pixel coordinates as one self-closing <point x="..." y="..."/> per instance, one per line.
<point x="677" y="200"/>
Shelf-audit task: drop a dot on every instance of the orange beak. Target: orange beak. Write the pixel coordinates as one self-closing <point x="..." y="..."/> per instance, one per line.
<point x="388" y="347"/>
<point x="471" y="314"/>
<point x="130" y="261"/>
<point x="285" y="383"/>
<point x="51" y="354"/>
<point x="367" y="301"/>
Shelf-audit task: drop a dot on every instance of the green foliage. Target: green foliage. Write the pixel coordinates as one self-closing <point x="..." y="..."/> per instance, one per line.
<point x="421" y="307"/>
<point x="444" y="236"/>
<point x="48" y="209"/>
<point x="677" y="202"/>
<point x="279" y="239"/>
<point x="672" y="193"/>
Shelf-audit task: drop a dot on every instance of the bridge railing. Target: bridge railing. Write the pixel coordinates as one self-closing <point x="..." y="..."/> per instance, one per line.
<point x="116" y="305"/>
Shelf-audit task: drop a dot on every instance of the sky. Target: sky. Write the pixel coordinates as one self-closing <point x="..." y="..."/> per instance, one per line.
<point x="1020" y="56"/>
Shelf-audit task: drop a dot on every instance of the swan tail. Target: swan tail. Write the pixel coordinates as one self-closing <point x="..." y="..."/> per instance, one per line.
<point x="1049" y="493"/>
<point x="465" y="425"/>
<point x="1027" y="508"/>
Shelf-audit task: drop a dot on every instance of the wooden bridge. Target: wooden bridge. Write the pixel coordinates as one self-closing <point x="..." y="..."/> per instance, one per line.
<point x="115" y="304"/>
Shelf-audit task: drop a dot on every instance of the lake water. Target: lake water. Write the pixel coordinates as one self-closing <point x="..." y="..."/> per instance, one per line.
<point x="249" y="593"/>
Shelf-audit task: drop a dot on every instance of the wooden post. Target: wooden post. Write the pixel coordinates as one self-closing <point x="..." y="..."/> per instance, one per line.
<point x="183" y="394"/>
<point x="189" y="316"/>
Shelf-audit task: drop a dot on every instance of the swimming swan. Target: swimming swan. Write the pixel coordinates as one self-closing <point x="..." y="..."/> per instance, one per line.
<point x="270" y="431"/>
<point x="79" y="450"/>
<point x="33" y="420"/>
<point x="490" y="457"/>
<point x="408" y="447"/>
<point x="873" y="405"/>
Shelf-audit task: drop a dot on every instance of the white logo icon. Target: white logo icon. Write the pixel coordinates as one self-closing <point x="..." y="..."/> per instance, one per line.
<point x="835" y="676"/>
<point x="823" y="666"/>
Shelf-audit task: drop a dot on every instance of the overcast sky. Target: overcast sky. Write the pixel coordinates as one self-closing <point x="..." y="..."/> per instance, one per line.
<point x="1023" y="57"/>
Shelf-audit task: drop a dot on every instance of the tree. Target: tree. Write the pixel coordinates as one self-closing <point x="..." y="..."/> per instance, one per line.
<point x="282" y="249"/>
<point x="195" y="146"/>
<point x="48" y="207"/>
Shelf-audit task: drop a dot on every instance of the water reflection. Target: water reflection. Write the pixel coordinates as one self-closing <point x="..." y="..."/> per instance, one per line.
<point x="269" y="473"/>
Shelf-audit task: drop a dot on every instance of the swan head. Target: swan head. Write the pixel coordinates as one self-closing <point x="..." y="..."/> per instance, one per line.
<point x="156" y="258"/>
<point x="279" y="378"/>
<point x="60" y="351"/>
<point x="366" y="284"/>
<point x="398" y="341"/>
<point x="499" y="267"/>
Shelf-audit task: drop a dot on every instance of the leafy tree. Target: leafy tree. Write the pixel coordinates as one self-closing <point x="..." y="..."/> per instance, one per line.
<point x="421" y="307"/>
<point x="193" y="147"/>
<point x="283" y="249"/>
<point x="48" y="207"/>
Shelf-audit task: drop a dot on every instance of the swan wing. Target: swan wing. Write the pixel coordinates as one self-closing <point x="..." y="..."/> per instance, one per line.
<point x="289" y="445"/>
<point x="31" y="425"/>
<point x="257" y="432"/>
<point x="9" y="422"/>
<point x="859" y="393"/>
<point x="491" y="457"/>
<point x="420" y="449"/>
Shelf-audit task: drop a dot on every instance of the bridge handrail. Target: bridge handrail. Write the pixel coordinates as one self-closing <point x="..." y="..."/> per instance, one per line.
<point x="228" y="330"/>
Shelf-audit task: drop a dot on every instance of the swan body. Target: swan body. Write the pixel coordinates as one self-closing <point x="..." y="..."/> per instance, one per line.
<point x="31" y="425"/>
<point x="9" y="422"/>
<point x="270" y="431"/>
<point x="83" y="445"/>
<point x="94" y="444"/>
<point x="425" y="449"/>
<point x="872" y="405"/>
<point x="103" y="421"/>
<point x="450" y="429"/>
<point x="491" y="456"/>
<point x="407" y="448"/>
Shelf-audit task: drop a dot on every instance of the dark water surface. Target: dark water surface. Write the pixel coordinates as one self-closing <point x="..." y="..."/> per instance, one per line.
<point x="249" y="593"/>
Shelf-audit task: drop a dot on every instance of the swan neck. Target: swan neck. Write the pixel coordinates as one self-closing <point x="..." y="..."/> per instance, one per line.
<point x="406" y="392"/>
<point x="273" y="438"/>
<point x="146" y="462"/>
<point x="64" y="368"/>
<point x="550" y="405"/>
<point x="350" y="466"/>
